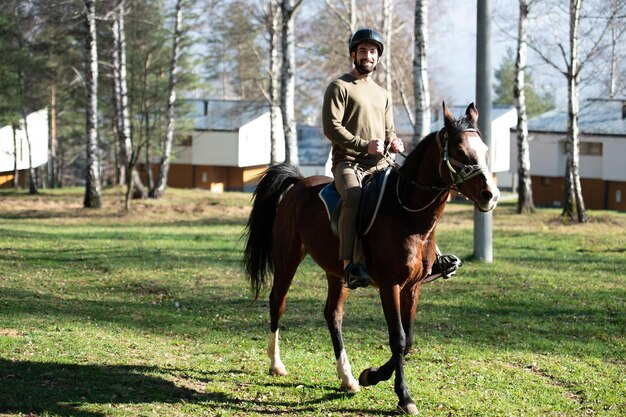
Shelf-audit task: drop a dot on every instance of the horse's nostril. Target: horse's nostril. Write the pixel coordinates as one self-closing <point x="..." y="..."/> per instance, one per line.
<point x="486" y="195"/>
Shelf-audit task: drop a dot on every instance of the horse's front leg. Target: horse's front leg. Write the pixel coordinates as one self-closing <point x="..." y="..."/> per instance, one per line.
<point x="333" y="312"/>
<point x="390" y="297"/>
<point x="409" y="297"/>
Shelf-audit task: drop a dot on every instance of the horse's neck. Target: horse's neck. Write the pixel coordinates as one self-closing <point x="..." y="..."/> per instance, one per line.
<point x="426" y="193"/>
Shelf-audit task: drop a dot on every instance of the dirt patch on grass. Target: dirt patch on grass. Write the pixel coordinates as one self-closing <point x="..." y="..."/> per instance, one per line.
<point x="177" y="204"/>
<point x="10" y="333"/>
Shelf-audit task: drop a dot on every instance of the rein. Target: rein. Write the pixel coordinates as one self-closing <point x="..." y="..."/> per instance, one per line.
<point x="464" y="173"/>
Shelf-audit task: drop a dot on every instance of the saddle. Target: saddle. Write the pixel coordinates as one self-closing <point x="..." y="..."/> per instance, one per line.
<point x="372" y="192"/>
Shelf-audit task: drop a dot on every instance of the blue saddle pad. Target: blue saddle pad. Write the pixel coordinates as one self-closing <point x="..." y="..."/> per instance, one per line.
<point x="330" y="197"/>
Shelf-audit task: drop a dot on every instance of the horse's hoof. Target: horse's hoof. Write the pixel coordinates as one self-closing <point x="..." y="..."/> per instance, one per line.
<point x="409" y="409"/>
<point x="278" y="370"/>
<point x="351" y="387"/>
<point x="363" y="377"/>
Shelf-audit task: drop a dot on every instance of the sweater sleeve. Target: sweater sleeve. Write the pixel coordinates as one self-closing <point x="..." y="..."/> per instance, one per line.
<point x="333" y="110"/>
<point x="390" y="129"/>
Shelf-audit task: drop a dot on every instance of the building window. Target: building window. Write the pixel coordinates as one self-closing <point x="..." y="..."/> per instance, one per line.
<point x="205" y="177"/>
<point x="590" y="148"/>
<point x="618" y="196"/>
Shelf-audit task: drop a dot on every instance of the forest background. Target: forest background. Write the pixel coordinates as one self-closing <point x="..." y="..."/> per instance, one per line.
<point x="225" y="53"/>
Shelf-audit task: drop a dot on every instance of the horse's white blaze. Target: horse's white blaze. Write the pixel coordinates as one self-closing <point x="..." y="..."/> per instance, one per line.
<point x="273" y="351"/>
<point x="344" y="371"/>
<point x="477" y="144"/>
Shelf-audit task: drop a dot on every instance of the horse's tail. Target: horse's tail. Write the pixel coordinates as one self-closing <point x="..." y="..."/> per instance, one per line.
<point x="257" y="255"/>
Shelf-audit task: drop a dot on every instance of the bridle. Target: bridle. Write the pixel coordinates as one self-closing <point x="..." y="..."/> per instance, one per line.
<point x="465" y="172"/>
<point x="462" y="173"/>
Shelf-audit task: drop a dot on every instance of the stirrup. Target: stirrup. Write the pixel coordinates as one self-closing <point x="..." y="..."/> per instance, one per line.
<point x="356" y="276"/>
<point x="444" y="267"/>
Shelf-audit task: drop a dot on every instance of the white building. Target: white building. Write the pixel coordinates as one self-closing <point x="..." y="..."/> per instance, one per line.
<point x="601" y="161"/>
<point x="228" y="148"/>
<point x="14" y="146"/>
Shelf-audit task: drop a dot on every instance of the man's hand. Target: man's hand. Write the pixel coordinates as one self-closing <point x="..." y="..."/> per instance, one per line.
<point x="397" y="145"/>
<point x="376" y="147"/>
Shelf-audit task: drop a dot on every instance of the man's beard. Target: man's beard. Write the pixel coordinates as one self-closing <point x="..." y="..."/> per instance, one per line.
<point x="363" y="70"/>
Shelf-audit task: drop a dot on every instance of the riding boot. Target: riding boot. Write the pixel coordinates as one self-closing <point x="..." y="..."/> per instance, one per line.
<point x="356" y="276"/>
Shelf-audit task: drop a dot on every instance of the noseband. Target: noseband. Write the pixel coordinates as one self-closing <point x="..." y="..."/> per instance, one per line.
<point x="465" y="172"/>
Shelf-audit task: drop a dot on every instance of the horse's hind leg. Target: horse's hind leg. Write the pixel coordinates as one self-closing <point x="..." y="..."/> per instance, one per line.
<point x="333" y="312"/>
<point x="287" y="256"/>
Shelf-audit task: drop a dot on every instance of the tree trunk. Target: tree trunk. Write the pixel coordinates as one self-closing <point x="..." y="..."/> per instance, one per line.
<point x="118" y="124"/>
<point x="613" y="75"/>
<point x="275" y="64"/>
<point x="288" y="78"/>
<point x="16" y="172"/>
<point x="145" y="117"/>
<point x="127" y="163"/>
<point x="525" y="202"/>
<point x="32" y="174"/>
<point x="161" y="181"/>
<point x="573" y="204"/>
<point x="420" y="72"/>
<point x="388" y="32"/>
<point x="52" y="145"/>
<point x="92" y="180"/>
<point x="148" y="155"/>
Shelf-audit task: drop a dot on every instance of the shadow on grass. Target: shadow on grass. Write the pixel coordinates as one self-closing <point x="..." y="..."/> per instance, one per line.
<point x="69" y="389"/>
<point x="65" y="389"/>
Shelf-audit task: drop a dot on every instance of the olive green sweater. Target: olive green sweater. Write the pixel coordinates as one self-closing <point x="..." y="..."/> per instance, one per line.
<point x="354" y="112"/>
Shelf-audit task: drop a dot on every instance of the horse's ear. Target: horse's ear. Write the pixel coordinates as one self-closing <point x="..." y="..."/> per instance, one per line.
<point x="448" y="118"/>
<point x="472" y="113"/>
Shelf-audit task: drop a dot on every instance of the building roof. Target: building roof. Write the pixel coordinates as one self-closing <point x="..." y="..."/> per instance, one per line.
<point x="313" y="146"/>
<point x="225" y="115"/>
<point x="597" y="116"/>
<point x="404" y="127"/>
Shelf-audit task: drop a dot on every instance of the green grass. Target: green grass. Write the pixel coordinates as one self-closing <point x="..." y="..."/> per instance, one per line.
<point x="104" y="313"/>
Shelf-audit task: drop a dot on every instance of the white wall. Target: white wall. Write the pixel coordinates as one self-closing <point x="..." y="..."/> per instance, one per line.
<point x="38" y="134"/>
<point x="547" y="157"/>
<point x="255" y="143"/>
<point x="215" y="148"/>
<point x="614" y="155"/>
<point x="250" y="146"/>
<point x="500" y="141"/>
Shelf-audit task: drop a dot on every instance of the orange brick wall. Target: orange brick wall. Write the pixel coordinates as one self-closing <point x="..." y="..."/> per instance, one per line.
<point x="615" y="190"/>
<point x="597" y="194"/>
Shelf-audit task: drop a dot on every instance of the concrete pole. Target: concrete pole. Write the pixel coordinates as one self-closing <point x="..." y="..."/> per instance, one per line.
<point x="483" y="239"/>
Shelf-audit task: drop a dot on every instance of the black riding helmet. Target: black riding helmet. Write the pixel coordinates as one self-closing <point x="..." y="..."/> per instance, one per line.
<point x="366" y="35"/>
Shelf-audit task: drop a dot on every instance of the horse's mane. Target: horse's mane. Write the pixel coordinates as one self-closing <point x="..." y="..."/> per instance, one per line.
<point x="414" y="158"/>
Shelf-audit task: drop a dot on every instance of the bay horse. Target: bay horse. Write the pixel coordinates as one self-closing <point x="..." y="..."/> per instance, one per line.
<point x="288" y="220"/>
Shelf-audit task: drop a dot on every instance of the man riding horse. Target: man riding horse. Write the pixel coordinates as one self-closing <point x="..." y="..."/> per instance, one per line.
<point x="357" y="117"/>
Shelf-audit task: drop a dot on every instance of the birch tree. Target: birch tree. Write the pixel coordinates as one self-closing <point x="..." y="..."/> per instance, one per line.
<point x="166" y="148"/>
<point x="16" y="172"/>
<point x="127" y="154"/>
<point x="288" y="79"/>
<point x="525" y="202"/>
<point x="275" y="19"/>
<point x="387" y="36"/>
<point x="420" y="72"/>
<point x="92" y="180"/>
<point x="573" y="204"/>
<point x="562" y="51"/>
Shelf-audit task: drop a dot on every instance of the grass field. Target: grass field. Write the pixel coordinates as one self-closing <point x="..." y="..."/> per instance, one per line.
<point x="106" y="313"/>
